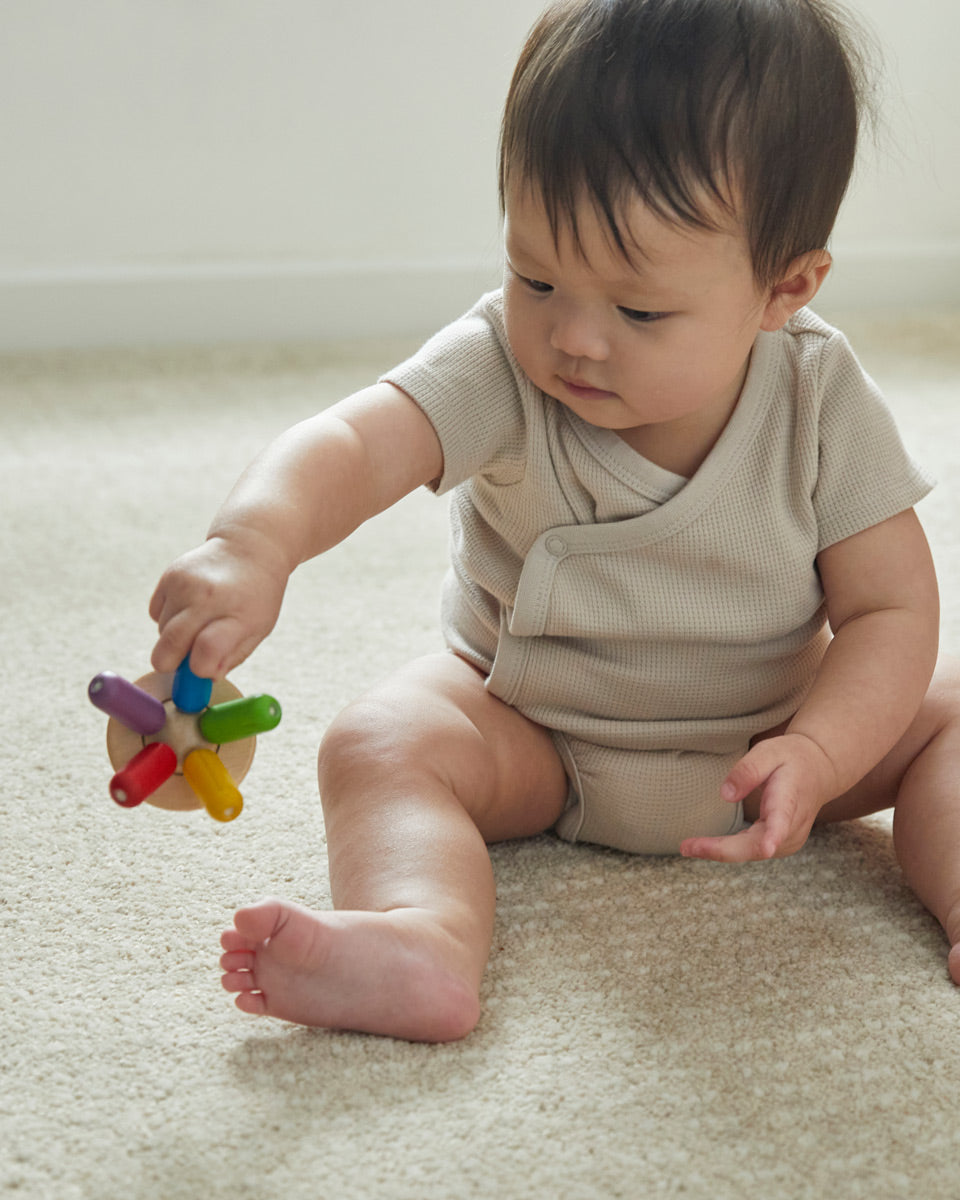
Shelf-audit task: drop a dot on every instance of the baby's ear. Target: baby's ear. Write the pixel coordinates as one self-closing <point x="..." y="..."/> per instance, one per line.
<point x="800" y="283"/>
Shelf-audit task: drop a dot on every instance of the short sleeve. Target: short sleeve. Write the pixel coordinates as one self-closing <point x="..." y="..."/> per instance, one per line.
<point x="465" y="382"/>
<point x="865" y="474"/>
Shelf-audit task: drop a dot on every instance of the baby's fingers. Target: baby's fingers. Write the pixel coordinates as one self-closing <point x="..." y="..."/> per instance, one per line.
<point x="750" y="845"/>
<point x="214" y="649"/>
<point x="177" y="594"/>
<point x="157" y="603"/>
<point x="752" y="771"/>
<point x="174" y="643"/>
<point x="221" y="646"/>
<point x="166" y="602"/>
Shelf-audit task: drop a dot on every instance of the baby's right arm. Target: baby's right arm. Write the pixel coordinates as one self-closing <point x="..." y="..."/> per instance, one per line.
<point x="305" y="493"/>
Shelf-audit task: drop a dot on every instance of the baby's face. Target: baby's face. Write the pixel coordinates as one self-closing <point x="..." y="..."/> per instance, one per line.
<point x="665" y="344"/>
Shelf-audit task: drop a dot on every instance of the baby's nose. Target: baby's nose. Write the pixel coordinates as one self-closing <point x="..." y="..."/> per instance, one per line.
<point x="577" y="335"/>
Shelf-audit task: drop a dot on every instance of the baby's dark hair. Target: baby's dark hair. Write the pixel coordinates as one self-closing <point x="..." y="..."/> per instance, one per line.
<point x="750" y="104"/>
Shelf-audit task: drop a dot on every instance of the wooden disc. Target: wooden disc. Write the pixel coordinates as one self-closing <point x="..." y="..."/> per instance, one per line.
<point x="182" y="733"/>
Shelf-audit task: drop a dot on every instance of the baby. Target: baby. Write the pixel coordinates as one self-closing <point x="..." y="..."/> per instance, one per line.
<point x="690" y="608"/>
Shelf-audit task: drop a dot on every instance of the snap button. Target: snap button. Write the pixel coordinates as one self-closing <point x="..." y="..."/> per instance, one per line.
<point x="556" y="546"/>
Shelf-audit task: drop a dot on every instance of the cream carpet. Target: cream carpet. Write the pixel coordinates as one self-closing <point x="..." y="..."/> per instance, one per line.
<point x="650" y="1028"/>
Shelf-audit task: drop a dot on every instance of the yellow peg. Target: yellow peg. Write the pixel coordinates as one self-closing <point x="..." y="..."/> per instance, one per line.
<point x="211" y="781"/>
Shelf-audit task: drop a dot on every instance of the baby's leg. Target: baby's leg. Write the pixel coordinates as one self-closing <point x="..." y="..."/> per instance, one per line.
<point x="926" y="823"/>
<point x="415" y="778"/>
<point x="921" y="778"/>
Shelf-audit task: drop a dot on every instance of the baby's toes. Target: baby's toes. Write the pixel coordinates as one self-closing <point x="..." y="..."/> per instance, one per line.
<point x="237" y="960"/>
<point x="233" y="941"/>
<point x="254" y="1003"/>
<point x="237" y="967"/>
<point x="261" y="921"/>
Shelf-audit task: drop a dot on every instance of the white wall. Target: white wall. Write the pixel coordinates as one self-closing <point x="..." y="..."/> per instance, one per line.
<point x="897" y="242"/>
<point x="207" y="169"/>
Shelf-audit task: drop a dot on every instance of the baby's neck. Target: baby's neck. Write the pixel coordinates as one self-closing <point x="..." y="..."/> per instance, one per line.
<point x="674" y="445"/>
<point x="682" y="445"/>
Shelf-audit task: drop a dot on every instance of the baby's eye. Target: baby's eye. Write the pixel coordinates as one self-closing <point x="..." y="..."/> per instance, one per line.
<point x="538" y="286"/>
<point x="640" y="317"/>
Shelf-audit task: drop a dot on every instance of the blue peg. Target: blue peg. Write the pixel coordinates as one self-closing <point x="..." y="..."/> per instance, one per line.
<point x="191" y="694"/>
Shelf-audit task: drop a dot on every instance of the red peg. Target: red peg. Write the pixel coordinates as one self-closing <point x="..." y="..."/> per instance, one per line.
<point x="143" y="774"/>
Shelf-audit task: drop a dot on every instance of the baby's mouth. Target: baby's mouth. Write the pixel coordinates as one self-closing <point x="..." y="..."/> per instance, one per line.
<point x="585" y="391"/>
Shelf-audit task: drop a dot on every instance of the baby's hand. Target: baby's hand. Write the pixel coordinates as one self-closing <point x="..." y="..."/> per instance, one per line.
<point x="217" y="603"/>
<point x="797" y="779"/>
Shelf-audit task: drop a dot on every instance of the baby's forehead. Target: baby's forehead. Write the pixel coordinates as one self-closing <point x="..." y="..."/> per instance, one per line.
<point x="639" y="243"/>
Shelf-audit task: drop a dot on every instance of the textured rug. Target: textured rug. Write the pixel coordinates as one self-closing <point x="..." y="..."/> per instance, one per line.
<point x="650" y="1028"/>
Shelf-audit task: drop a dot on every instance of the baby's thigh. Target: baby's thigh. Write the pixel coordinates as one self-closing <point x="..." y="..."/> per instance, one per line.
<point x="434" y="717"/>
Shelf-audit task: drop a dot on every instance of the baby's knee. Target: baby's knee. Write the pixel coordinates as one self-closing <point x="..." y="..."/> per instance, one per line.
<point x="364" y="733"/>
<point x="942" y="701"/>
<point x="381" y="736"/>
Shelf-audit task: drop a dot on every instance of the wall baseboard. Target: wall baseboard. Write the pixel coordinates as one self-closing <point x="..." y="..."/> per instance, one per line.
<point x="241" y="302"/>
<point x="888" y="278"/>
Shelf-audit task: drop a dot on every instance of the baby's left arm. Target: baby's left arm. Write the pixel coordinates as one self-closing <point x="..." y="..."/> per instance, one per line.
<point x="883" y="608"/>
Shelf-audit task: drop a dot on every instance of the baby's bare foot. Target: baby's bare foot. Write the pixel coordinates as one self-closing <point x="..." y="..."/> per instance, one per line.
<point x="951" y="927"/>
<point x="953" y="963"/>
<point x="395" y="973"/>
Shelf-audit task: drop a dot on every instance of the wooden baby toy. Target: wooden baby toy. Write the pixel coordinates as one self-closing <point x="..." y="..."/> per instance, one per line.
<point x="180" y="742"/>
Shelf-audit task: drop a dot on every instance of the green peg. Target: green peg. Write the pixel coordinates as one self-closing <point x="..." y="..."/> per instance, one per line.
<point x="236" y="719"/>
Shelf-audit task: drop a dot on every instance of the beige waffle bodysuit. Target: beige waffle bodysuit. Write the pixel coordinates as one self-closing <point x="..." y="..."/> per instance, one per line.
<point x="654" y="624"/>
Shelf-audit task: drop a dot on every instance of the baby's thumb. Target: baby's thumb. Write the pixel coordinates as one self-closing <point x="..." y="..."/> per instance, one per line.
<point x="219" y="647"/>
<point x="750" y="773"/>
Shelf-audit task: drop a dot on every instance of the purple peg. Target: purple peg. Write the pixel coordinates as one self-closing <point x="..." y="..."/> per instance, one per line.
<point x="127" y="703"/>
